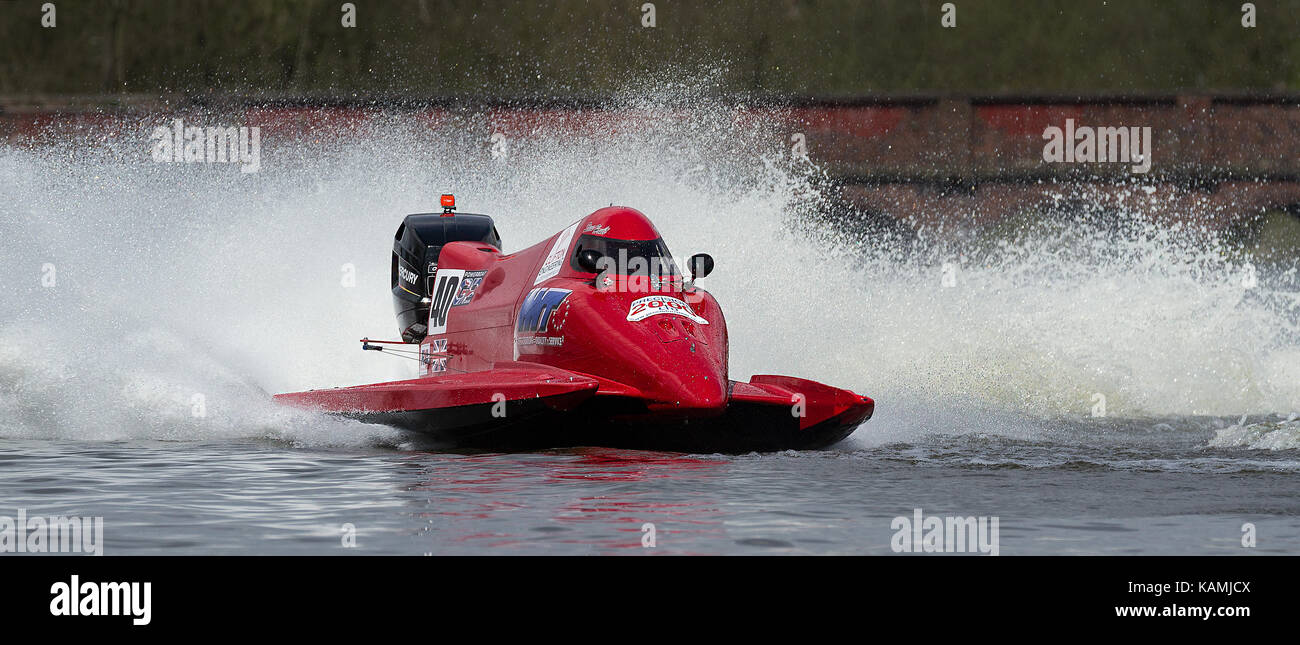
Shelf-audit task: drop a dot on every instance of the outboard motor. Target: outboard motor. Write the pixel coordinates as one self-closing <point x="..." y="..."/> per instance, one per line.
<point x="416" y="247"/>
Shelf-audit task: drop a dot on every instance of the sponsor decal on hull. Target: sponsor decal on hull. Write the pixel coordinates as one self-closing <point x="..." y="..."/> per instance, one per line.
<point x="468" y="287"/>
<point x="643" y="308"/>
<point x="558" y="253"/>
<point x="430" y="364"/>
<point x="541" y="341"/>
<point x="536" y="315"/>
<point x="539" y="305"/>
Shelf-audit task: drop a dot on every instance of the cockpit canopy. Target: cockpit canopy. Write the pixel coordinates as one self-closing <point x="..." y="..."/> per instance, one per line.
<point x="649" y="258"/>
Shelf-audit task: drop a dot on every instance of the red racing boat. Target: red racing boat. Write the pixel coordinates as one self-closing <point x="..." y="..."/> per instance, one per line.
<point x="592" y="337"/>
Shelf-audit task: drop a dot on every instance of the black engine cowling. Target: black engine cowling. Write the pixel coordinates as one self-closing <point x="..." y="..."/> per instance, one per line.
<point x="416" y="247"/>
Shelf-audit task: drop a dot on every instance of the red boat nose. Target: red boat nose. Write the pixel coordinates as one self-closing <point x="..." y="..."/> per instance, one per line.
<point x="692" y="394"/>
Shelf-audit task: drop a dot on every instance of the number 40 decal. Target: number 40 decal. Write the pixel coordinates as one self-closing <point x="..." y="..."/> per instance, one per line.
<point x="446" y="283"/>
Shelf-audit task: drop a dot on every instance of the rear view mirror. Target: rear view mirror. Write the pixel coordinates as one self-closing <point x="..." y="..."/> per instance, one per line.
<point x="700" y="265"/>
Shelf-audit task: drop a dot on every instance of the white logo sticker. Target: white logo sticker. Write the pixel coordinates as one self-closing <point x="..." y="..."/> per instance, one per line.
<point x="559" y="251"/>
<point x="643" y="308"/>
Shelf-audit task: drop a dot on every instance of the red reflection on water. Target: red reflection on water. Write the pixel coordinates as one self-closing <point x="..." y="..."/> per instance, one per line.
<point x="608" y="464"/>
<point x="470" y="489"/>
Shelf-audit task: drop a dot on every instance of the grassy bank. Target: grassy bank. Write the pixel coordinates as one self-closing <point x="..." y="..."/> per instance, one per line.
<point x="572" y="48"/>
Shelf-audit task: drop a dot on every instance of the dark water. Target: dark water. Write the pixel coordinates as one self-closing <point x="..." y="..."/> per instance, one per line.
<point x="1119" y="487"/>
